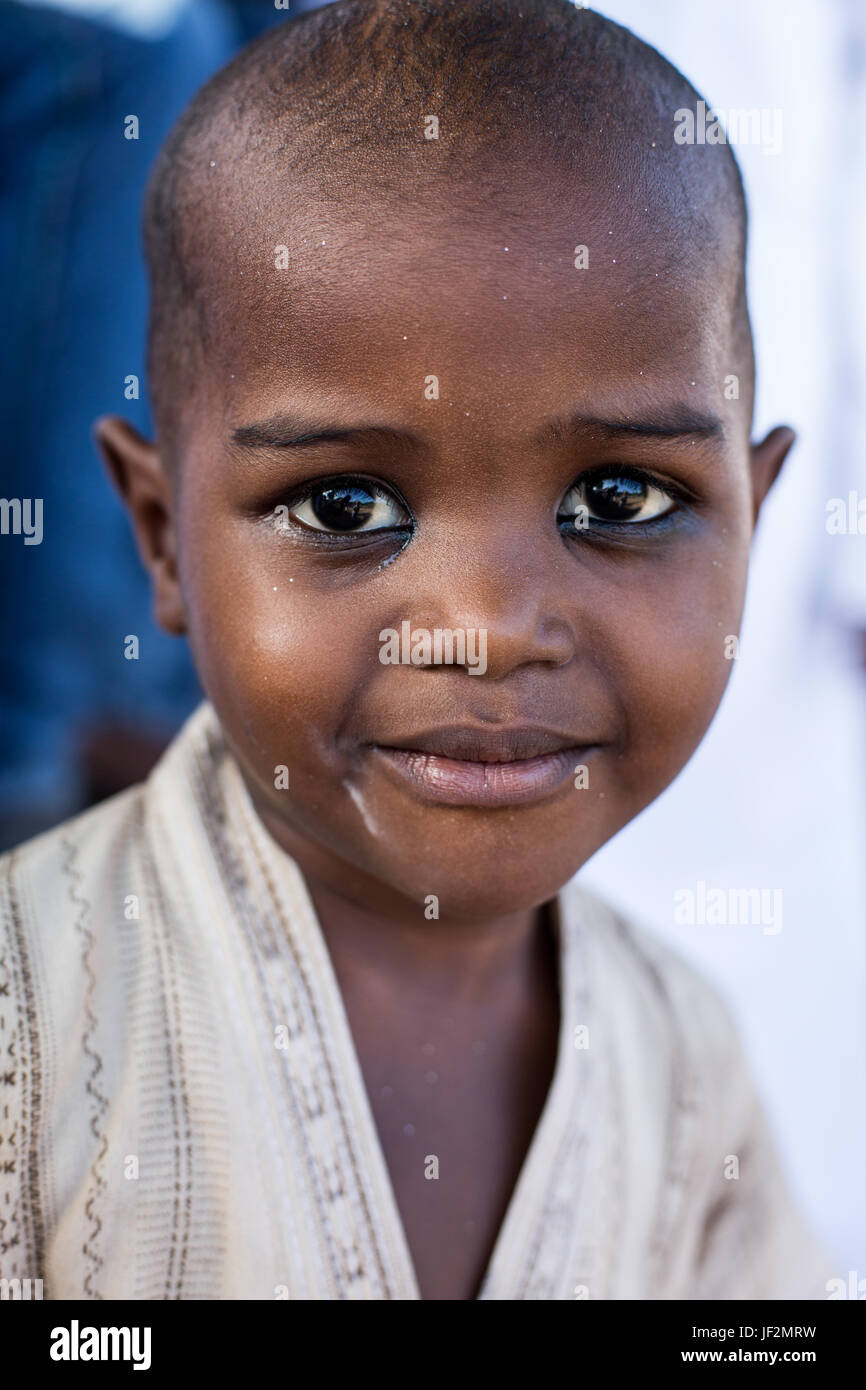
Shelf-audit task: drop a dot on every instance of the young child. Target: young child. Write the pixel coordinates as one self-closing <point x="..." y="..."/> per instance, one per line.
<point x="453" y="497"/>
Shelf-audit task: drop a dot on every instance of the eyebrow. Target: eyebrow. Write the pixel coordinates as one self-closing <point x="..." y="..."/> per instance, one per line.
<point x="291" y="432"/>
<point x="679" y="423"/>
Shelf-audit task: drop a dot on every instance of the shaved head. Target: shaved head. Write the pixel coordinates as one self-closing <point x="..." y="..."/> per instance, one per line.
<point x="330" y="109"/>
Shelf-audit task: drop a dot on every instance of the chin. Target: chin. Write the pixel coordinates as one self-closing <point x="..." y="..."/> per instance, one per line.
<point x="476" y="887"/>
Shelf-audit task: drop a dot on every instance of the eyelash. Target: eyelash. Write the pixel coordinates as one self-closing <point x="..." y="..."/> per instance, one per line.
<point x="357" y="540"/>
<point x="597" y="529"/>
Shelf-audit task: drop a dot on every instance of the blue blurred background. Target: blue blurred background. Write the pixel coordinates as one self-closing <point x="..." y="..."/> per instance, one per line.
<point x="77" y="720"/>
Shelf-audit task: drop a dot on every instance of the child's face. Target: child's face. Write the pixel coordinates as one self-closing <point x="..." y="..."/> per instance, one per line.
<point x="607" y="644"/>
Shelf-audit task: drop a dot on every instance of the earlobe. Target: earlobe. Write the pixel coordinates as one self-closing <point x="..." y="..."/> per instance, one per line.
<point x="767" y="460"/>
<point x="135" y="468"/>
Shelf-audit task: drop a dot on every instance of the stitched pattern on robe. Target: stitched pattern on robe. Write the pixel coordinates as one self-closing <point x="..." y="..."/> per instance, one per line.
<point x="178" y="1247"/>
<point x="99" y="1101"/>
<point x="681" y="1126"/>
<point x="270" y="932"/>
<point x="22" y="1237"/>
<point x="549" y="1260"/>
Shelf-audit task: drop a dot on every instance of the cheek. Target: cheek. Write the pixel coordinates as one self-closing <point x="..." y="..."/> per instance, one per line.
<point x="675" y="661"/>
<point x="279" y="660"/>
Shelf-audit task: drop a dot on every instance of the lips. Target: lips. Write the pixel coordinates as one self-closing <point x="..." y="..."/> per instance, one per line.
<point x="468" y="743"/>
<point x="469" y="766"/>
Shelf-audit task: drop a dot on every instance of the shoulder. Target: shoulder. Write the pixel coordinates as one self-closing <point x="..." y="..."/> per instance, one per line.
<point x="675" y="1052"/>
<point x="660" y="997"/>
<point x="62" y="896"/>
<point x="44" y="965"/>
<point x="47" y="878"/>
<point x="68" y="963"/>
<point x="45" y="875"/>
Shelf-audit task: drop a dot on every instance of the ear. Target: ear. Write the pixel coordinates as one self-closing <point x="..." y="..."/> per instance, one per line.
<point x="767" y="460"/>
<point x="135" y="468"/>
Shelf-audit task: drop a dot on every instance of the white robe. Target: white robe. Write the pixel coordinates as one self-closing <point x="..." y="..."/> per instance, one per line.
<point x="183" y="1114"/>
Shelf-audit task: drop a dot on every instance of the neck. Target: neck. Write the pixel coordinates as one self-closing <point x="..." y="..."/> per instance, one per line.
<point x="454" y="959"/>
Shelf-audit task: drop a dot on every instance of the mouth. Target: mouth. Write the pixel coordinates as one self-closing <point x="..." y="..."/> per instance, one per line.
<point x="483" y="767"/>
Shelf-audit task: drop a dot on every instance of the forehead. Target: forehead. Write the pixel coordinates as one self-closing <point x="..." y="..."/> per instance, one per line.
<point x="549" y="288"/>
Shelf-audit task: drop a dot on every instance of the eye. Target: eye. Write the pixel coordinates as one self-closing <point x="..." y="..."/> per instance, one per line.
<point x="615" y="496"/>
<point x="348" y="506"/>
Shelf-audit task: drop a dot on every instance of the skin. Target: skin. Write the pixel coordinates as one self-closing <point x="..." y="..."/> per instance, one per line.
<point x="613" y="638"/>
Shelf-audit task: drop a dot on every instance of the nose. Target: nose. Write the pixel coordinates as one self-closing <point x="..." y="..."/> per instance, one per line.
<point x="506" y="594"/>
